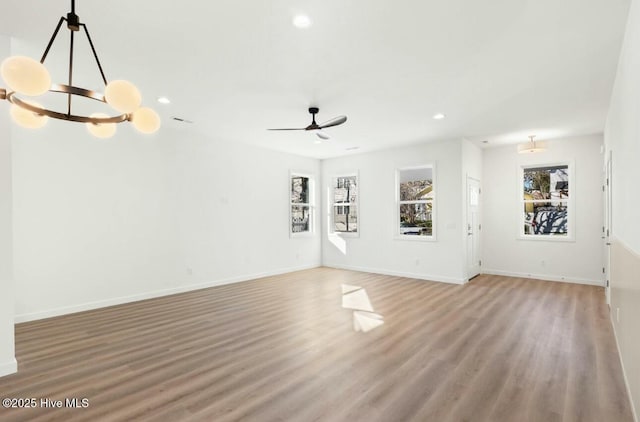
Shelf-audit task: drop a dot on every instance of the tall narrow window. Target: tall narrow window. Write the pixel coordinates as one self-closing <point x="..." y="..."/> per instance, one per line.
<point x="546" y="201"/>
<point x="344" y="198"/>
<point x="415" y="202"/>
<point x="301" y="204"/>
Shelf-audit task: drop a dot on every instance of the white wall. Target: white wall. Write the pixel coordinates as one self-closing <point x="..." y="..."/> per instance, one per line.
<point x="503" y="253"/>
<point x="471" y="161"/>
<point x="622" y="138"/>
<point x="7" y="355"/>
<point x="375" y="249"/>
<point x="99" y="222"/>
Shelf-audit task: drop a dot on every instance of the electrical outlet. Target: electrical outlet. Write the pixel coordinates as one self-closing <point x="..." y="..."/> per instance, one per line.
<point x="417" y="262"/>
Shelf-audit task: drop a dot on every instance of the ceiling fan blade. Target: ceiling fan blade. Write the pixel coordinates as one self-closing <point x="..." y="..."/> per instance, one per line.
<point x="320" y="134"/>
<point x="334" y="122"/>
<point x="290" y="129"/>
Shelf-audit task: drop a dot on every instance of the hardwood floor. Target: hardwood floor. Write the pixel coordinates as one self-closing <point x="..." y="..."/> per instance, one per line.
<point x="283" y="349"/>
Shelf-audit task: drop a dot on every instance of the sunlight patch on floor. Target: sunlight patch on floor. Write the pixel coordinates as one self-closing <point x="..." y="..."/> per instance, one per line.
<point x="364" y="317"/>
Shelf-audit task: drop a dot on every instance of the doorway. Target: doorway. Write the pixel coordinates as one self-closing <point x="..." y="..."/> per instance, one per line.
<point x="473" y="228"/>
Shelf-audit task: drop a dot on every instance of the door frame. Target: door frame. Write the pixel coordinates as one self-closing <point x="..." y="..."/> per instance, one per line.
<point x="607" y="224"/>
<point x="473" y="270"/>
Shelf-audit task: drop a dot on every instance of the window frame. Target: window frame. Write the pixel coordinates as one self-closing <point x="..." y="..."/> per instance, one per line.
<point x="332" y="204"/>
<point x="570" y="202"/>
<point x="427" y="238"/>
<point x="310" y="204"/>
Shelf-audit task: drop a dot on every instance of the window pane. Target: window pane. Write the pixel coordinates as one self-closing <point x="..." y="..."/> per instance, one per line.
<point x="545" y="219"/>
<point x="416" y="184"/>
<point x="345" y="189"/>
<point x="345" y="219"/>
<point x="416" y="219"/>
<point x="299" y="219"/>
<point x="299" y="190"/>
<point x="546" y="183"/>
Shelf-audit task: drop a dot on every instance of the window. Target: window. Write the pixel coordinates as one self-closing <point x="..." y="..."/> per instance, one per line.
<point x="546" y="201"/>
<point x="301" y="206"/>
<point x="344" y="198"/>
<point x="415" y="202"/>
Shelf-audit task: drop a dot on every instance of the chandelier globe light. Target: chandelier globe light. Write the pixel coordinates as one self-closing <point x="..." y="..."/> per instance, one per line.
<point x="145" y="119"/>
<point x="123" y="96"/>
<point x="102" y="130"/>
<point x="25" y="76"/>
<point x="26" y="118"/>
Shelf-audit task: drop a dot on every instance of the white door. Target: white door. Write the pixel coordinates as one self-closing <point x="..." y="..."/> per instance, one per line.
<point x="606" y="228"/>
<point x="473" y="227"/>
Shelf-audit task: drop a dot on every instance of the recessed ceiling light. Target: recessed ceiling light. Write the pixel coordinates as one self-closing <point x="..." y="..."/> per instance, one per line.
<point x="352" y="148"/>
<point x="301" y="21"/>
<point x="317" y="141"/>
<point x="164" y="100"/>
<point x="439" y="116"/>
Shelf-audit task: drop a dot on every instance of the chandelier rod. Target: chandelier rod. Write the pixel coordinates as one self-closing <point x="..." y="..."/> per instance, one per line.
<point x="70" y="71"/>
<point x="95" y="55"/>
<point x="53" y="38"/>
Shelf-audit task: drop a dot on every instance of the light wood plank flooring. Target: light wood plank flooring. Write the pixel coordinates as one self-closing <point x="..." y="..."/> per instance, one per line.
<point x="283" y="349"/>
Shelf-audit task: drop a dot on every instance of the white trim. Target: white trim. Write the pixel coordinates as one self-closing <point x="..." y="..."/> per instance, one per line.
<point x="624" y="372"/>
<point x="434" y="204"/>
<point x="8" y="368"/>
<point x="418" y="276"/>
<point x="154" y="294"/>
<point x="546" y="277"/>
<point x="332" y="205"/>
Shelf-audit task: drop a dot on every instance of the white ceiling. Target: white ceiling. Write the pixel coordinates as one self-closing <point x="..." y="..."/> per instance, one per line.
<point x="499" y="69"/>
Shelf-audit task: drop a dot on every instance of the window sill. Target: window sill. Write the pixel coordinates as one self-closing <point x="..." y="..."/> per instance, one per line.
<point x="301" y="235"/>
<point x="345" y="234"/>
<point x="415" y="238"/>
<point x="546" y="238"/>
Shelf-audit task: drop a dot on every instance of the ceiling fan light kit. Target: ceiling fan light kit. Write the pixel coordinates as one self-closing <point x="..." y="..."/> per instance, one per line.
<point x="318" y="128"/>
<point x="25" y="76"/>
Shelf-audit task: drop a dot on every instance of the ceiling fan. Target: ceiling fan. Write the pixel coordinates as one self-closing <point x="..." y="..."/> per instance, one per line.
<point x="318" y="128"/>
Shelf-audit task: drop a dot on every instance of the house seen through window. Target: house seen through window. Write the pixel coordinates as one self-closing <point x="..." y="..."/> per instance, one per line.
<point x="545" y="198"/>
<point x="345" y="204"/>
<point x="416" y="196"/>
<point x="301" y="210"/>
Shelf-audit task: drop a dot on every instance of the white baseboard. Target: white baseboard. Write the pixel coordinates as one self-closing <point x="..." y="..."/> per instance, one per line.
<point x="624" y="372"/>
<point x="419" y="276"/>
<point x="546" y="277"/>
<point x="8" y="368"/>
<point x="150" y="295"/>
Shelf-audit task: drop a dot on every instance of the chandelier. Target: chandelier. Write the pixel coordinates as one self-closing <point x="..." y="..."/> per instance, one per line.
<point x="25" y="76"/>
